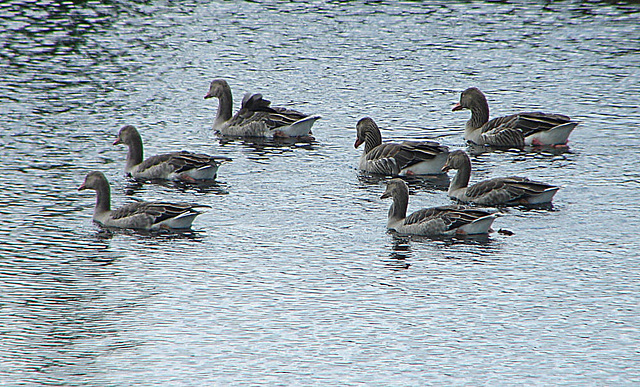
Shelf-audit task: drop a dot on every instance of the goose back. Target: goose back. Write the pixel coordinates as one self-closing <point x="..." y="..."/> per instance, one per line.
<point x="497" y="191"/>
<point x="515" y="130"/>
<point x="442" y="220"/>
<point x="397" y="159"/>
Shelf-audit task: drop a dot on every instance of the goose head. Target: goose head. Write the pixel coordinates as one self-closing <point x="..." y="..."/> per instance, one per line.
<point x="94" y="180"/>
<point x="366" y="126"/>
<point x="456" y="160"/>
<point x="127" y="135"/>
<point x="395" y="188"/>
<point x="217" y="89"/>
<point x="470" y="99"/>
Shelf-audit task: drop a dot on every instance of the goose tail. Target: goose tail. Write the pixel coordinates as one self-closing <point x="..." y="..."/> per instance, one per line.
<point x="478" y="226"/>
<point x="555" y="136"/>
<point x="301" y="127"/>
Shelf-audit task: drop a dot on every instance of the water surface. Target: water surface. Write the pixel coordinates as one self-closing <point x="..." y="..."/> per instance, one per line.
<point x="291" y="277"/>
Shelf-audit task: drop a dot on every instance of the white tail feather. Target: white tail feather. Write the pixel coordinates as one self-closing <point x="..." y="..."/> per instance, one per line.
<point x="478" y="226"/>
<point x="544" y="197"/>
<point x="300" y="128"/>
<point x="181" y="221"/>
<point x="554" y="136"/>
<point x="427" y="167"/>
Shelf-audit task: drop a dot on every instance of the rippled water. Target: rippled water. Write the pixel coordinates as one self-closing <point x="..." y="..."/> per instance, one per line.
<point x="291" y="277"/>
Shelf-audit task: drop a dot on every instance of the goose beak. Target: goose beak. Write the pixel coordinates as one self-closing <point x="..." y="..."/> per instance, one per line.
<point x="446" y="168"/>
<point x="117" y="141"/>
<point x="456" y="107"/>
<point x="82" y="186"/>
<point x="208" y="96"/>
<point x="357" y="143"/>
<point x="385" y="195"/>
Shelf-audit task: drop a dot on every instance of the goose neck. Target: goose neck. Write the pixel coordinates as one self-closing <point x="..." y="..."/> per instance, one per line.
<point x="463" y="174"/>
<point x="225" y="105"/>
<point x="398" y="209"/>
<point x="135" y="152"/>
<point x="372" y="139"/>
<point x="103" y="198"/>
<point x="479" y="115"/>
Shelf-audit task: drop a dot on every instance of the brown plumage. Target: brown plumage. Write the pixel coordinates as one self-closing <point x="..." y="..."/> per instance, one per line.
<point x="181" y="165"/>
<point x="256" y="117"/>
<point x="394" y="159"/>
<point x="442" y="220"/>
<point x="498" y="191"/>
<point x="516" y="130"/>
<point x="138" y="215"/>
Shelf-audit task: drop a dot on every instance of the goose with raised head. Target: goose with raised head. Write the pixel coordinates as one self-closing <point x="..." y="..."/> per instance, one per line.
<point x="511" y="190"/>
<point x="397" y="159"/>
<point x="138" y="215"/>
<point x="513" y="131"/>
<point x="434" y="221"/>
<point x="184" y="165"/>
<point x="256" y="117"/>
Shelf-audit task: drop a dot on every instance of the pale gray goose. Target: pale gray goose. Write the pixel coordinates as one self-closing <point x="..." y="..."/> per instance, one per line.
<point x="397" y="159"/>
<point x="511" y="190"/>
<point x="256" y="118"/>
<point x="513" y="131"/>
<point x="138" y="215"/>
<point x="434" y="221"/>
<point x="185" y="166"/>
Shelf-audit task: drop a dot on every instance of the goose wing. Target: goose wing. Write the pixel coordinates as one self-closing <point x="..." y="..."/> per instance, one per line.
<point x="427" y="214"/>
<point x="504" y="137"/>
<point x="453" y="216"/>
<point x="503" y="129"/>
<point x="153" y="212"/>
<point x="177" y="162"/>
<point x="504" y="190"/>
<point x="391" y="158"/>
<point x="185" y="161"/>
<point x="257" y="112"/>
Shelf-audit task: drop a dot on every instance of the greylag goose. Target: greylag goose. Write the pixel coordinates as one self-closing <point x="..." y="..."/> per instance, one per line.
<point x="256" y="118"/>
<point x="397" y="159"/>
<point x="514" y="131"/>
<point x="443" y="220"/>
<point x="138" y="215"/>
<point x="186" y="166"/>
<point x="511" y="190"/>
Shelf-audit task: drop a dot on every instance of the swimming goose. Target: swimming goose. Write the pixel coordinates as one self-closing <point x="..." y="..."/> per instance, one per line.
<point x="443" y="220"/>
<point x="138" y="215"/>
<point x="183" y="165"/>
<point x="256" y="118"/>
<point x="511" y="190"/>
<point x="397" y="159"/>
<point x="514" y="131"/>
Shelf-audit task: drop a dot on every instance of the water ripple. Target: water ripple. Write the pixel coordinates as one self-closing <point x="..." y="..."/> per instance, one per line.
<point x="291" y="277"/>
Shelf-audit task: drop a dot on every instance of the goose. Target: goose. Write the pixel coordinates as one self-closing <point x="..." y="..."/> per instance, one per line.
<point x="511" y="190"/>
<point x="443" y="220"/>
<point x="138" y="215"/>
<point x="256" y="118"/>
<point x="397" y="159"/>
<point x="513" y="131"/>
<point x="186" y="166"/>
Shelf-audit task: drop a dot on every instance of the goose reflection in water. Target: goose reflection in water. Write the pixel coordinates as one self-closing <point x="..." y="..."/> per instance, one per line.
<point x="105" y="234"/>
<point x="400" y="254"/>
<point x="133" y="187"/>
<point x="263" y="148"/>
<point x="415" y="183"/>
<point x="546" y="151"/>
